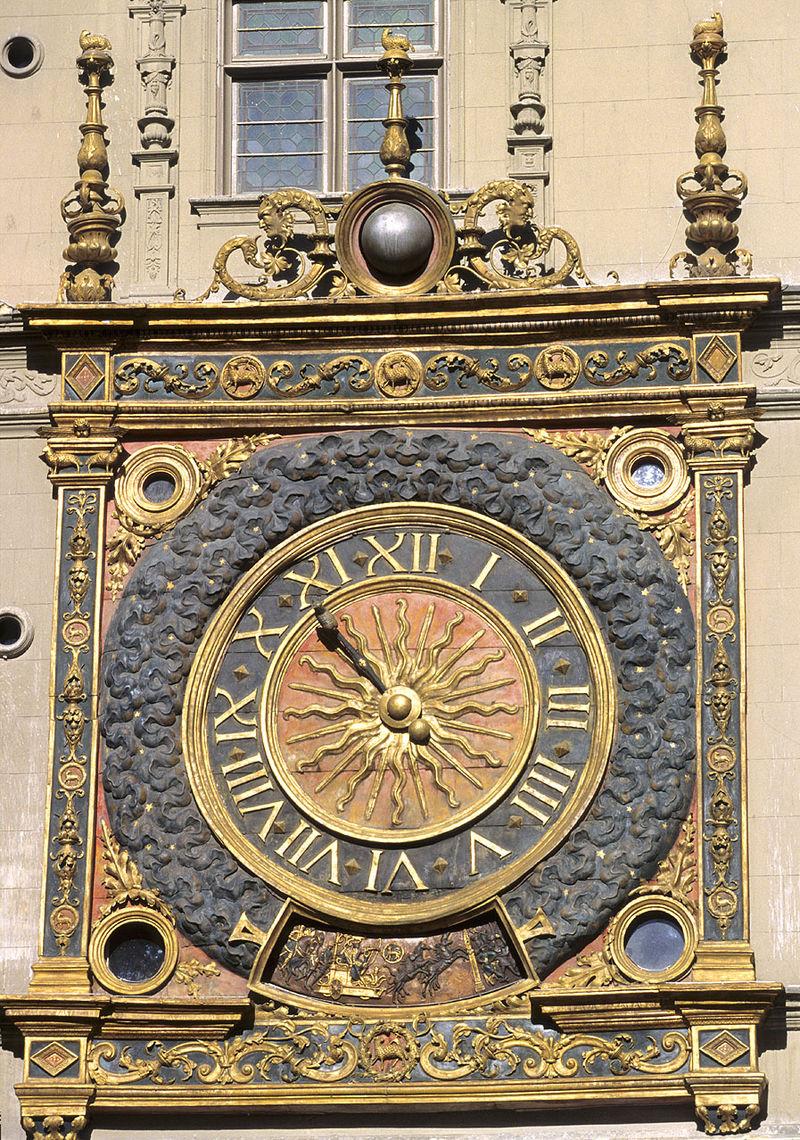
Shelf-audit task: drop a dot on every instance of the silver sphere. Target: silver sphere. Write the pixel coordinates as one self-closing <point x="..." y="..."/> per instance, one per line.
<point x="396" y="240"/>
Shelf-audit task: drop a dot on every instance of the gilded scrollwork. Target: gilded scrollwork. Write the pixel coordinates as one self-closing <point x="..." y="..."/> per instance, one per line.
<point x="441" y="369"/>
<point x="721" y="690"/>
<point x="152" y="376"/>
<point x="388" y="1052"/>
<point x="596" y="370"/>
<point x="317" y="1052"/>
<point x="289" y="264"/>
<point x="498" y="1048"/>
<point x="355" y="370"/>
<point x="514" y="257"/>
<point x="76" y="632"/>
<point x="593" y="971"/>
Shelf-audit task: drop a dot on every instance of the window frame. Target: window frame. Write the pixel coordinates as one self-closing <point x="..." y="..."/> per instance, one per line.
<point x="333" y="68"/>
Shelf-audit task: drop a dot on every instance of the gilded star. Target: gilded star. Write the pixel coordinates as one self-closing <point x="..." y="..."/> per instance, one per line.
<point x="520" y="595"/>
<point x="440" y="866"/>
<point x="351" y="866"/>
<point x="240" y="672"/>
<point x="285" y="601"/>
<point x="236" y="754"/>
<point x="280" y="827"/>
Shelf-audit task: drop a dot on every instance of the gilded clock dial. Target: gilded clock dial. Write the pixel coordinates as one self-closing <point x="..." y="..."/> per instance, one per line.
<point x="398" y="712"/>
<point x="404" y="718"/>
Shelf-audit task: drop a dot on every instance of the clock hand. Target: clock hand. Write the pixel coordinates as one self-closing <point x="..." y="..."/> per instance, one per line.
<point x="329" y="626"/>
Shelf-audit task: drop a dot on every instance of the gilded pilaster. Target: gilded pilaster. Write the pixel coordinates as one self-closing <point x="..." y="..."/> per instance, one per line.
<point x="81" y="456"/>
<point x="158" y="26"/>
<point x="719" y="453"/>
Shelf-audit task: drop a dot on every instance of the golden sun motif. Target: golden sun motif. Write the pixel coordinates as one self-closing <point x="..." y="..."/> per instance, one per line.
<point x="429" y="727"/>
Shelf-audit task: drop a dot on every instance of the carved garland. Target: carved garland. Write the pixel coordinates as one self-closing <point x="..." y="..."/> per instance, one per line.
<point x="720" y="692"/>
<point x="76" y="632"/>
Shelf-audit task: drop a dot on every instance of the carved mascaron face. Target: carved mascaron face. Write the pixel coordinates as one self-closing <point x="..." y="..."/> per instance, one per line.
<point x="398" y="712"/>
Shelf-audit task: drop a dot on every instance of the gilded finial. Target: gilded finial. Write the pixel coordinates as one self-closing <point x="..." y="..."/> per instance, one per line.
<point x="92" y="210"/>
<point x="712" y="193"/>
<point x="395" y="152"/>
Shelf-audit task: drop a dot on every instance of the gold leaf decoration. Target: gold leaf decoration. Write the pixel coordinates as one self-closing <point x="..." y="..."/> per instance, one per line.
<point x="129" y="541"/>
<point x="122" y="879"/>
<point x="590" y="970"/>
<point x="677" y="874"/>
<point x="191" y="969"/>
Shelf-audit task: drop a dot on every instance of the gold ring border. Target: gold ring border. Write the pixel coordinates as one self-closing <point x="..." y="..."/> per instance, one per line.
<point x="646" y="443"/>
<point x="628" y="915"/>
<point x="403" y="583"/>
<point x="215" y="640"/>
<point x="170" y="459"/>
<point x="353" y="215"/>
<point x="138" y="916"/>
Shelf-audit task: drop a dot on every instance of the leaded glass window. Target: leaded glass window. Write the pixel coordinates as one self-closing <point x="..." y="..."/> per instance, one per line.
<point x="306" y="102"/>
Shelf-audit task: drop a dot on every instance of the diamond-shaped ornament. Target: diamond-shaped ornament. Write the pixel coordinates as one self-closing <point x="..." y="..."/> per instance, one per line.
<point x="724" y="1048"/>
<point x="84" y="376"/>
<point x="717" y="359"/>
<point x="54" y="1058"/>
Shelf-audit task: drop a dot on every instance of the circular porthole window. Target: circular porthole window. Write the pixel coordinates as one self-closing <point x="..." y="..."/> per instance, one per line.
<point x="653" y="940"/>
<point x="16" y="631"/>
<point x="21" y="55"/>
<point x="133" y="951"/>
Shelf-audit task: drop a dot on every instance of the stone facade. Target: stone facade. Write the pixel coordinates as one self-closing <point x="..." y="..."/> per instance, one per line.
<point x="609" y="105"/>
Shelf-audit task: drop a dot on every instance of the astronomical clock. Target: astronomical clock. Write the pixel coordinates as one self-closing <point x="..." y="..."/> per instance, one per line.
<point x="398" y="680"/>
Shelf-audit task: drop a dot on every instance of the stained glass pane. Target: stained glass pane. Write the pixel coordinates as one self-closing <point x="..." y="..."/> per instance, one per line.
<point x="280" y="134"/>
<point x="366" y="20"/>
<point x="367" y="102"/>
<point x="280" y="28"/>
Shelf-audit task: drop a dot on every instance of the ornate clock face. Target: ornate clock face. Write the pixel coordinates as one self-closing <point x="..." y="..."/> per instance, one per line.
<point x="398" y="712"/>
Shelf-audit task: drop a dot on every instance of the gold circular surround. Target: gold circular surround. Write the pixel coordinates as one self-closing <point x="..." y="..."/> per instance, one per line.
<point x="398" y="374"/>
<point x="243" y="377"/>
<point x="355" y="212"/>
<point x="166" y="460"/>
<point x="557" y="367"/>
<point x="656" y="905"/>
<point x="524" y="722"/>
<point x="643" y="445"/>
<point x="132" y="916"/>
